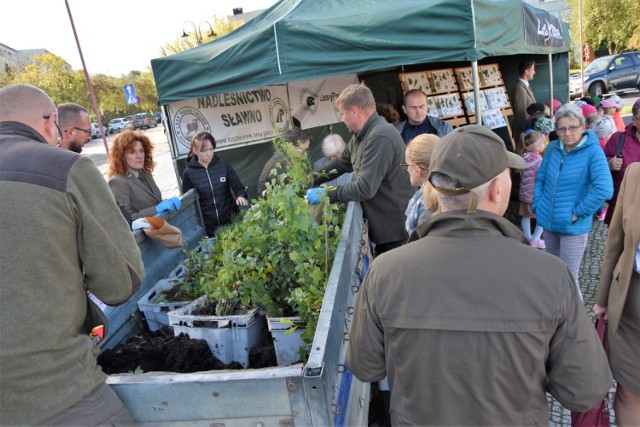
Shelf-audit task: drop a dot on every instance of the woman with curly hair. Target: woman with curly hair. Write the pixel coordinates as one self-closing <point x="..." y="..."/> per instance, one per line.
<point x="130" y="180"/>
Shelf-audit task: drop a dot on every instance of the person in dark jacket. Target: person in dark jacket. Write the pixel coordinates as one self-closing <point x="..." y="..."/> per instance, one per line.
<point x="374" y="155"/>
<point x="219" y="189"/>
<point x="461" y="341"/>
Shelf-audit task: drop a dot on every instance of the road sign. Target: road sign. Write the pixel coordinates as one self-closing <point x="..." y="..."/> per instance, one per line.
<point x="130" y="94"/>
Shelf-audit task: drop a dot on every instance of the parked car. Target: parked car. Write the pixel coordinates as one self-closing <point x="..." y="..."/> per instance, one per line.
<point x="117" y="125"/>
<point x="611" y="73"/>
<point x="143" y="121"/>
<point x="158" y="117"/>
<point x="95" y="131"/>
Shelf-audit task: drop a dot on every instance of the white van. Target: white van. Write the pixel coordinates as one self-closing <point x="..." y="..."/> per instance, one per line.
<point x="95" y="131"/>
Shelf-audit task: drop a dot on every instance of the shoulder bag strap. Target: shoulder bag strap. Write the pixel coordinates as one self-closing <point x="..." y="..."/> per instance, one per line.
<point x="619" y="146"/>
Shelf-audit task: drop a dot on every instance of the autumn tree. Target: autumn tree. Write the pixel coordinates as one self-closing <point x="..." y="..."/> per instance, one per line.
<point x="614" y="23"/>
<point x="53" y="75"/>
<point x="221" y="26"/>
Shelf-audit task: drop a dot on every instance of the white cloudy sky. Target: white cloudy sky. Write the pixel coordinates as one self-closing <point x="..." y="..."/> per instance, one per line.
<point x="116" y="36"/>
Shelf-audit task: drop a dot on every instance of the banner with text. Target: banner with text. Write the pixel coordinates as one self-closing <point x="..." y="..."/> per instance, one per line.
<point x="541" y="28"/>
<point x="313" y="102"/>
<point x="236" y="118"/>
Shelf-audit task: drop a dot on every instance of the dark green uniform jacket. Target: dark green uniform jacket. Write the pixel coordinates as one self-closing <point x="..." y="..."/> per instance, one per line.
<point x="472" y="325"/>
<point x="60" y="230"/>
<point x="379" y="183"/>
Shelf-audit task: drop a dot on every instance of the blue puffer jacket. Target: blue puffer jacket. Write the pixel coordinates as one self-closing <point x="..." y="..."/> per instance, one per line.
<point x="573" y="183"/>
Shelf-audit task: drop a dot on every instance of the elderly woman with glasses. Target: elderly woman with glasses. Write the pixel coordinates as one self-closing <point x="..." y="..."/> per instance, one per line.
<point x="573" y="181"/>
<point x="629" y="153"/>
<point x="423" y="204"/>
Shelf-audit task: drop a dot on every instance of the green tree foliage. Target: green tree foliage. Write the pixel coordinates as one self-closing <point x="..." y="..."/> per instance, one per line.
<point x="614" y="23"/>
<point x="221" y="26"/>
<point x="53" y="75"/>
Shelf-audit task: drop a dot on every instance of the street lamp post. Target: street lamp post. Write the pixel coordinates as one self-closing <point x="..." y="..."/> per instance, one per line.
<point x="198" y="31"/>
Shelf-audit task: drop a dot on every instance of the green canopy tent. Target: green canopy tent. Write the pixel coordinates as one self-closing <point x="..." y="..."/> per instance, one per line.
<point x="307" y="39"/>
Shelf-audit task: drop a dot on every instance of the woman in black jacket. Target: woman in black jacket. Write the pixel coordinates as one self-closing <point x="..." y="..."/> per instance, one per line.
<point x="219" y="188"/>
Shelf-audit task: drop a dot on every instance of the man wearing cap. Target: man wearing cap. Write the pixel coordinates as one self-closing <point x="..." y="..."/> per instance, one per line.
<point x="521" y="97"/>
<point x="468" y="322"/>
<point x="62" y="234"/>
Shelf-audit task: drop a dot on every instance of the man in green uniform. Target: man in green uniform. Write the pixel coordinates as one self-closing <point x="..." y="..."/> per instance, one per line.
<point x="469" y="323"/>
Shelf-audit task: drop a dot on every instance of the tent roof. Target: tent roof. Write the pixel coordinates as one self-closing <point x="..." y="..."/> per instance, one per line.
<point x="307" y="39"/>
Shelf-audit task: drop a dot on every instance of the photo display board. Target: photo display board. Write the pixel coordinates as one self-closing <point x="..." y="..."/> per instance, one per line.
<point x="450" y="94"/>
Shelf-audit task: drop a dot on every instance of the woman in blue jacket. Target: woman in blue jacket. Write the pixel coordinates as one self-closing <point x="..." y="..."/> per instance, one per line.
<point x="572" y="183"/>
<point x="219" y="189"/>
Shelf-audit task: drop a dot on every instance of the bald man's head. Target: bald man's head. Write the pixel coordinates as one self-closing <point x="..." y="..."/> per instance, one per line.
<point x="31" y="106"/>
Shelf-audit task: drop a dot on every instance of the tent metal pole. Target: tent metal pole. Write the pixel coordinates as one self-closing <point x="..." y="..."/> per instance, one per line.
<point x="551" y="84"/>
<point x="476" y="90"/>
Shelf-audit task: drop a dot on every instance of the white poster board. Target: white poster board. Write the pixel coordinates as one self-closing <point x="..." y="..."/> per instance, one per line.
<point x="236" y="118"/>
<point x="313" y="101"/>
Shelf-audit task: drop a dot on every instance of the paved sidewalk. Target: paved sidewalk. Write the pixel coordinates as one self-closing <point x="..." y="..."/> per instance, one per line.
<point x="589" y="279"/>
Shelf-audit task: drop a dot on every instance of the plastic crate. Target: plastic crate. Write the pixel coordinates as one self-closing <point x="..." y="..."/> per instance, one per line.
<point x="286" y="342"/>
<point x="156" y="314"/>
<point x="230" y="338"/>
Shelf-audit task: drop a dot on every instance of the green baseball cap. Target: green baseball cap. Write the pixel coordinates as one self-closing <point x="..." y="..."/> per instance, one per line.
<point x="471" y="155"/>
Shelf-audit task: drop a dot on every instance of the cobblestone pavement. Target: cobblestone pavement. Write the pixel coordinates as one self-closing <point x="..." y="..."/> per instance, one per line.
<point x="589" y="278"/>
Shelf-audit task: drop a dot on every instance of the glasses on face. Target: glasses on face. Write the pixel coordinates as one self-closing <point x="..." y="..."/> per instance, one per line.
<point x="571" y="129"/>
<point x="47" y="117"/>
<point x="87" y="131"/>
<point x="405" y="166"/>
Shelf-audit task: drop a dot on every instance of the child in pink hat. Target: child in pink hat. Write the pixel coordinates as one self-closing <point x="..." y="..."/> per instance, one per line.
<point x="588" y="110"/>
<point x="556" y="104"/>
<point x="617" y="118"/>
<point x="609" y="108"/>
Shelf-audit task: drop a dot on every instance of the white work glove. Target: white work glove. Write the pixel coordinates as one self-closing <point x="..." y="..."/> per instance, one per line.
<point x="139" y="223"/>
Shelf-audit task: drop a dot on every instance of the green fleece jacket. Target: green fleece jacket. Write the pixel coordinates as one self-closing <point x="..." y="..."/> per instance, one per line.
<point x="61" y="230"/>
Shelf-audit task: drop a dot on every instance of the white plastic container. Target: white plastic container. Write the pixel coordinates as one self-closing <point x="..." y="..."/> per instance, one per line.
<point x="230" y="338"/>
<point x="156" y="314"/>
<point x="286" y="339"/>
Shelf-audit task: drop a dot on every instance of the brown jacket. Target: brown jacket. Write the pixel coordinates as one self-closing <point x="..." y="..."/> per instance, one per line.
<point x="140" y="195"/>
<point x="521" y="98"/>
<point x="471" y="326"/>
<point x="622" y="245"/>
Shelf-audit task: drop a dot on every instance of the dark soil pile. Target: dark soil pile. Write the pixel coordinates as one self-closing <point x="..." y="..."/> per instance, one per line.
<point x="209" y="309"/>
<point x="162" y="351"/>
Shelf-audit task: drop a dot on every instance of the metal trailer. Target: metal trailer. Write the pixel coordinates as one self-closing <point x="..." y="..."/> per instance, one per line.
<point x="322" y="392"/>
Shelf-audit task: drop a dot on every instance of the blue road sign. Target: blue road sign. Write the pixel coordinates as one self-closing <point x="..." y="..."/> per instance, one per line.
<point x="130" y="94"/>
